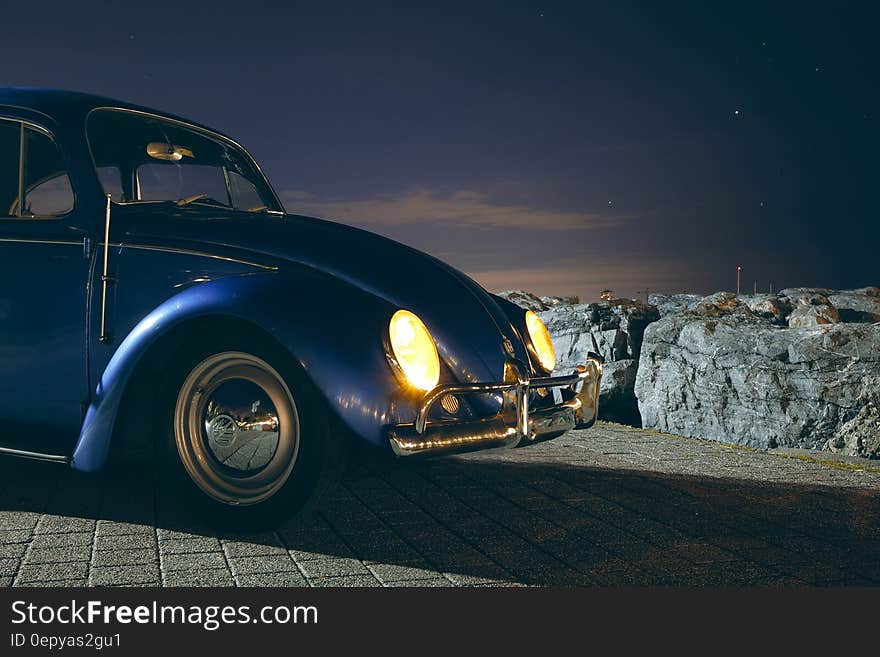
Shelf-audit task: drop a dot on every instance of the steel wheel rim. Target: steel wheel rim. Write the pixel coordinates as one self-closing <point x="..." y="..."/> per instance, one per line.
<point x="193" y="421"/>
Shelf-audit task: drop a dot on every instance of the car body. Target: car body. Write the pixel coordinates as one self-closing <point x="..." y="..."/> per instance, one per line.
<point x="97" y="287"/>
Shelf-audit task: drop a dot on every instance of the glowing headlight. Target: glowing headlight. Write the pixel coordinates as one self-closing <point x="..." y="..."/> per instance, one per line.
<point x="541" y="341"/>
<point x="414" y="350"/>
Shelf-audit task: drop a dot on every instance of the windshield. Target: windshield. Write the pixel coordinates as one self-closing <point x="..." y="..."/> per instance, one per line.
<point x="144" y="158"/>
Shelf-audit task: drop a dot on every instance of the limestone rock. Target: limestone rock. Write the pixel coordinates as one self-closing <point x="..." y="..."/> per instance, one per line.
<point x="725" y="369"/>
<point x="524" y="299"/>
<point x="860" y="436"/>
<point x="768" y="306"/>
<point x="857" y="305"/>
<point x="669" y="304"/>
<point x="814" y="315"/>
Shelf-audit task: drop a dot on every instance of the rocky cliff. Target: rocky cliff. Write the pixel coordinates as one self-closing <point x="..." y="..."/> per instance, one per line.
<point x="800" y="368"/>
<point x="797" y="369"/>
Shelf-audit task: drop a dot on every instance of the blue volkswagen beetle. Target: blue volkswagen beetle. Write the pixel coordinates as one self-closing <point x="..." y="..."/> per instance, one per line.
<point x="154" y="285"/>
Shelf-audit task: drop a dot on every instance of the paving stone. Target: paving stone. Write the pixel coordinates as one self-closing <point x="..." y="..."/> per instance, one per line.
<point x="489" y="574"/>
<point x="211" y="577"/>
<point x="286" y="578"/>
<point x="345" y="581"/>
<point x="58" y="583"/>
<point x="245" y="549"/>
<point x="112" y="527"/>
<point x="611" y="506"/>
<point x="170" y="534"/>
<point x="18" y="520"/>
<point x="102" y="558"/>
<point x="12" y="536"/>
<point x="8" y="566"/>
<point x="333" y="568"/>
<point x="433" y="582"/>
<point x="125" y="576"/>
<point x="125" y="541"/>
<point x="63" y="524"/>
<point x="189" y="545"/>
<point x="262" y="564"/>
<point x="51" y="572"/>
<point x="12" y="550"/>
<point x="309" y="555"/>
<point x="193" y="561"/>
<point x="72" y="539"/>
<point x="387" y="573"/>
<point x="59" y="554"/>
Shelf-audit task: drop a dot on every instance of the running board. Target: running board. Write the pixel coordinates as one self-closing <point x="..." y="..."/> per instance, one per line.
<point x="37" y="456"/>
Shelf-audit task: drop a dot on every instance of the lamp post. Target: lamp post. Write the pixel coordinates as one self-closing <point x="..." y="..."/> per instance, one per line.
<point x="738" y="272"/>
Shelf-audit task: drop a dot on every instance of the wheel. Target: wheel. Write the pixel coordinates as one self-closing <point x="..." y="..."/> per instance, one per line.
<point x="252" y="445"/>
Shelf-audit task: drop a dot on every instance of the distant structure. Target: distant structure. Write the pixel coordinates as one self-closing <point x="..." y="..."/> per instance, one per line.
<point x="607" y="295"/>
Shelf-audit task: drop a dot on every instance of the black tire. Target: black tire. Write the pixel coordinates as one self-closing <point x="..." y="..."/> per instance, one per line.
<point x="286" y="480"/>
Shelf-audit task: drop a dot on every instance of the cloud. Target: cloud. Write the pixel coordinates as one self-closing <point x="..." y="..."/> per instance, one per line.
<point x="587" y="278"/>
<point x="463" y="208"/>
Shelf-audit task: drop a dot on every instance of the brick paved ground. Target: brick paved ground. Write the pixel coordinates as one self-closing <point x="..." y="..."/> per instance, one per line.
<point x="609" y="506"/>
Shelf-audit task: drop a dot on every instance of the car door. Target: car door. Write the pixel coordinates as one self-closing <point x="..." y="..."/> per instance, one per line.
<point x="43" y="294"/>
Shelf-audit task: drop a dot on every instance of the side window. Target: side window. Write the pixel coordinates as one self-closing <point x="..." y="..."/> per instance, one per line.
<point x="244" y="195"/>
<point x="40" y="174"/>
<point x="10" y="136"/>
<point x="111" y="181"/>
<point x="47" y="190"/>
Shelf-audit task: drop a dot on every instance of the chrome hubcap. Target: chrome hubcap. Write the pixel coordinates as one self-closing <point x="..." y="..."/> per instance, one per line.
<point x="236" y="428"/>
<point x="241" y="426"/>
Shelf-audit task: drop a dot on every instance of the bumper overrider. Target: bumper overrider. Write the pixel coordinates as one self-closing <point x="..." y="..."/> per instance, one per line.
<point x="576" y="406"/>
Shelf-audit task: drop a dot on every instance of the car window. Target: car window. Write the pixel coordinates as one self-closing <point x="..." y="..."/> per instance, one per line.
<point x="111" y="181"/>
<point x="46" y="184"/>
<point x="244" y="194"/>
<point x="159" y="182"/>
<point x="161" y="159"/>
<point x="40" y="176"/>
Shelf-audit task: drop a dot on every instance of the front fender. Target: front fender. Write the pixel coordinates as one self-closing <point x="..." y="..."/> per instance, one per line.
<point x="333" y="329"/>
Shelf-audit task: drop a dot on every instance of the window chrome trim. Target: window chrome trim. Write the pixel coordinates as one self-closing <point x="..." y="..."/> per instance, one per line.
<point x="179" y="251"/>
<point x="184" y="124"/>
<point x="21" y="167"/>
<point x="145" y="247"/>
<point x="26" y="240"/>
<point x="25" y="123"/>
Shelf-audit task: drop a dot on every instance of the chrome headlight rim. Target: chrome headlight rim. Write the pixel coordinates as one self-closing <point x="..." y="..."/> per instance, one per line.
<point x="394" y="360"/>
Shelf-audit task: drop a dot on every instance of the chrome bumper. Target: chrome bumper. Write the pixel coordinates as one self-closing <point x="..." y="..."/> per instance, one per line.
<point x="577" y="409"/>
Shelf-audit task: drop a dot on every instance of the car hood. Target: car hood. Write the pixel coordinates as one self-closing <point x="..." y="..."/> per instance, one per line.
<point x="468" y="325"/>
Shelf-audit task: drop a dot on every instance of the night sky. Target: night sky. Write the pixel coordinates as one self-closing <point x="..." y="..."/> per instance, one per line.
<point x="557" y="147"/>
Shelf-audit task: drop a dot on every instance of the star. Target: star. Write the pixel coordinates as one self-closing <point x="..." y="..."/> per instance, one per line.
<point x="736" y="112"/>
